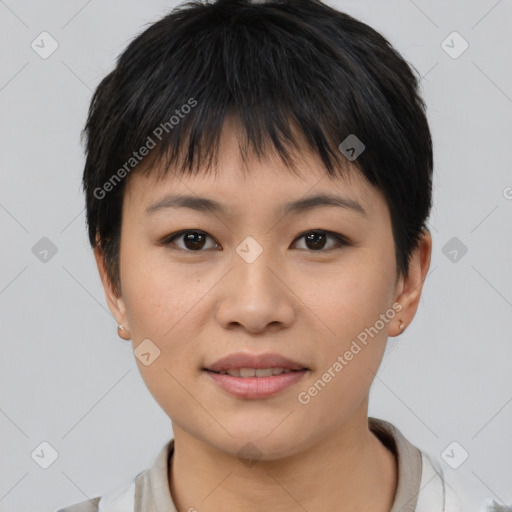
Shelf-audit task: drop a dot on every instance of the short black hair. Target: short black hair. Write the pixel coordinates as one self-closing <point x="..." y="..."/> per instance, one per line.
<point x="290" y="72"/>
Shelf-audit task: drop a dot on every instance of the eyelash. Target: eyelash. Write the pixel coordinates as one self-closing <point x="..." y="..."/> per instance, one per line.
<point x="341" y="240"/>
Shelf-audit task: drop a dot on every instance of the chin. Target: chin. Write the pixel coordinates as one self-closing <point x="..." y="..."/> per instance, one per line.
<point x="259" y="442"/>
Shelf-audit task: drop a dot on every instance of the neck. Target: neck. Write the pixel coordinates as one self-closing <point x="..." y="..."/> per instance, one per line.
<point x="348" y="470"/>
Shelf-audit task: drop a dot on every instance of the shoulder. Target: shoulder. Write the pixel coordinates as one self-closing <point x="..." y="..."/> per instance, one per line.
<point x="148" y="490"/>
<point x="450" y="491"/>
<point x="120" y="499"/>
<point x="91" y="505"/>
<point x="428" y="483"/>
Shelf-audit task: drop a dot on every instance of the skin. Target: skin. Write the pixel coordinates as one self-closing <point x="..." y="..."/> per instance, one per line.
<point x="306" y="304"/>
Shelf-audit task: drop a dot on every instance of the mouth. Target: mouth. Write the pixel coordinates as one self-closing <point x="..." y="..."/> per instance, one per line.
<point x="251" y="376"/>
<point x="246" y="365"/>
<point x="245" y="373"/>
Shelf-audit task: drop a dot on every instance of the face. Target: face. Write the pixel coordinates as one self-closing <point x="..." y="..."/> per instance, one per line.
<point x="314" y="285"/>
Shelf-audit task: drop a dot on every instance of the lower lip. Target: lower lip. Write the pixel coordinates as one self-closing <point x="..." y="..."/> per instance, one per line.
<point x="256" y="387"/>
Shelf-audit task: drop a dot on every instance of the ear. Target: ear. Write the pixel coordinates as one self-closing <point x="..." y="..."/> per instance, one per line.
<point x="408" y="289"/>
<point x="114" y="301"/>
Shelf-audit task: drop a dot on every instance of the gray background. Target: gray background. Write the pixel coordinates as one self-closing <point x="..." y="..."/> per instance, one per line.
<point x="65" y="376"/>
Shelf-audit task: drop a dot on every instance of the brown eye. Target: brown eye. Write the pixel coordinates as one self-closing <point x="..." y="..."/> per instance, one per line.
<point x="315" y="240"/>
<point x="192" y="240"/>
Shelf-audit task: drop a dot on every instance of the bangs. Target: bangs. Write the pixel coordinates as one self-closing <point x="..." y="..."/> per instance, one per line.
<point x="195" y="147"/>
<point x="284" y="89"/>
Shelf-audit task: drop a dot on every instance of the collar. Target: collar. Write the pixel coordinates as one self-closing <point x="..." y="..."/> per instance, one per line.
<point x="149" y="492"/>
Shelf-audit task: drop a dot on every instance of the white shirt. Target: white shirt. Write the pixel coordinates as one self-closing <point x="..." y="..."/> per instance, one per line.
<point x="422" y="485"/>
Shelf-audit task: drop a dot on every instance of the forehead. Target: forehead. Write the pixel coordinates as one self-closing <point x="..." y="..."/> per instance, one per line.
<point x="237" y="183"/>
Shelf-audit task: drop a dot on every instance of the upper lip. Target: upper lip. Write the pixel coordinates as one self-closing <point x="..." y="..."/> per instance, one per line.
<point x="256" y="361"/>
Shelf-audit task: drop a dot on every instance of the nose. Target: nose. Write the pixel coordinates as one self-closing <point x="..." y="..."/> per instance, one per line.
<point x="256" y="297"/>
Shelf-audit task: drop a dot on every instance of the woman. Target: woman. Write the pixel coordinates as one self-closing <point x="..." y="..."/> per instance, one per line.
<point x="258" y="182"/>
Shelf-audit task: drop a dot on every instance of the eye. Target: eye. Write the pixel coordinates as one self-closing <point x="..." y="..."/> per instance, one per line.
<point x="193" y="240"/>
<point x="315" y="239"/>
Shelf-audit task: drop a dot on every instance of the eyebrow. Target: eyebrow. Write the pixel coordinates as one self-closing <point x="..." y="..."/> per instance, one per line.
<point x="203" y="204"/>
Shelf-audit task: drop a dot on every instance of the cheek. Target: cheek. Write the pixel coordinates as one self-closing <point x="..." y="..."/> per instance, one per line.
<point x="350" y="297"/>
<point x="165" y="307"/>
<point x="158" y="296"/>
<point x="161" y="309"/>
<point x="351" y="344"/>
<point x="347" y="305"/>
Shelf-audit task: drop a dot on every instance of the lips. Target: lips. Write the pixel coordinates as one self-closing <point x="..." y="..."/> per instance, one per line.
<point x="251" y="361"/>
<point x="255" y="376"/>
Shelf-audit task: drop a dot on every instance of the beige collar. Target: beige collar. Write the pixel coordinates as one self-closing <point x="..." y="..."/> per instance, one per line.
<point x="152" y="492"/>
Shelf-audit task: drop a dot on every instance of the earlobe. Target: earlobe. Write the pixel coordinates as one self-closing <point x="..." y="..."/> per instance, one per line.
<point x="114" y="301"/>
<point x="123" y="333"/>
